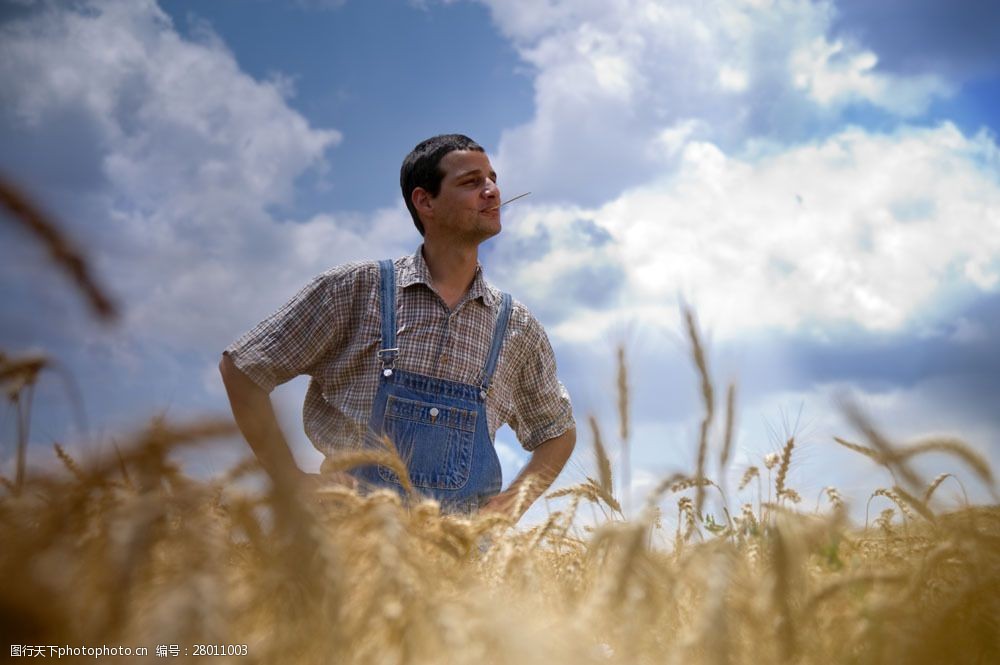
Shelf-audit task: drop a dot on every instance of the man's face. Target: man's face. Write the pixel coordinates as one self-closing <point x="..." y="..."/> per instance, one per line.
<point x="466" y="207"/>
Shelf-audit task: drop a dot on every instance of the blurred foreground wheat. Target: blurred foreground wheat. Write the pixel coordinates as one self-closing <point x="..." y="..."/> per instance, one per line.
<point x="131" y="551"/>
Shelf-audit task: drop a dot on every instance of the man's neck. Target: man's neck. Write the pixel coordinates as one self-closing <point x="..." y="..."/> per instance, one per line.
<point x="452" y="269"/>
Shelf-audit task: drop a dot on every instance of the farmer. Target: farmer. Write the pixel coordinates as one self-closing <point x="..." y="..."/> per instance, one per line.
<point x="421" y="350"/>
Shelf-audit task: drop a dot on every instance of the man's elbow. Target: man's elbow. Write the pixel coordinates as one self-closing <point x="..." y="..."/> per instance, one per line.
<point x="570" y="438"/>
<point x="562" y="446"/>
<point x="233" y="377"/>
<point x="225" y="367"/>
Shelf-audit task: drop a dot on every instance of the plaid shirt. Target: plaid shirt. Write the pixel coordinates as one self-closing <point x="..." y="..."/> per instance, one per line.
<point x="331" y="330"/>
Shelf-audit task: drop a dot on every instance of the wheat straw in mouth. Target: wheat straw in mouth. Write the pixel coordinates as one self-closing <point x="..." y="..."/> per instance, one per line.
<point x="497" y="207"/>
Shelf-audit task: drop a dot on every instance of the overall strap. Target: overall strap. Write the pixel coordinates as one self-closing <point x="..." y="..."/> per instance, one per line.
<point x="387" y="296"/>
<point x="491" y="360"/>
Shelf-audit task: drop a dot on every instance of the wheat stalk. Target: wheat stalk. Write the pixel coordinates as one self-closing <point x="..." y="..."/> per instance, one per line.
<point x="63" y="253"/>
<point x="708" y="401"/>
<point x="786" y="459"/>
<point x="604" y="475"/>
<point x="748" y="475"/>
<point x="70" y="463"/>
<point x="727" y="439"/>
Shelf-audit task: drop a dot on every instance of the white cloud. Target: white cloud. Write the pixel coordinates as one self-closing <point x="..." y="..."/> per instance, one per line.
<point x="194" y="154"/>
<point x="705" y="140"/>
<point x="612" y="77"/>
<point x="861" y="229"/>
<point x="833" y="74"/>
<point x="733" y="79"/>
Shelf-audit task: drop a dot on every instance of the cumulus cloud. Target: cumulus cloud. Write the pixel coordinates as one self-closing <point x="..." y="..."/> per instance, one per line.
<point x="615" y="81"/>
<point x="192" y="157"/>
<point x="860" y="229"/>
<point x="833" y="76"/>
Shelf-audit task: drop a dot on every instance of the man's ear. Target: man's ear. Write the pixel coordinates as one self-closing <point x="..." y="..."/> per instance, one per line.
<point x="423" y="202"/>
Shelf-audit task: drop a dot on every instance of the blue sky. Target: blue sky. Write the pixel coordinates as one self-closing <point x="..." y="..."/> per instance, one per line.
<point x="820" y="180"/>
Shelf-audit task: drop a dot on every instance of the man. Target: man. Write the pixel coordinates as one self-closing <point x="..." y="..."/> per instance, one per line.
<point x="421" y="350"/>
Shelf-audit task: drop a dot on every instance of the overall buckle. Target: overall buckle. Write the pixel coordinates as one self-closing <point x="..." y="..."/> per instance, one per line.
<point x="388" y="358"/>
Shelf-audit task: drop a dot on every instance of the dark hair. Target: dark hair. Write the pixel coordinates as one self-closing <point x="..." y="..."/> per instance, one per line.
<point x="420" y="168"/>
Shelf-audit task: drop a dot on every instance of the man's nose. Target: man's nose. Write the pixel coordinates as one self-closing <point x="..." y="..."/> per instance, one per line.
<point x="491" y="191"/>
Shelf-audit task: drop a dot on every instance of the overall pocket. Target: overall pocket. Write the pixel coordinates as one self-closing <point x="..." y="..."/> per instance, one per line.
<point x="434" y="439"/>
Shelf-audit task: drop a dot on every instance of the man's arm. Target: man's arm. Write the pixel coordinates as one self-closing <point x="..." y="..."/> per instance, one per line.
<point x="255" y="417"/>
<point x="547" y="460"/>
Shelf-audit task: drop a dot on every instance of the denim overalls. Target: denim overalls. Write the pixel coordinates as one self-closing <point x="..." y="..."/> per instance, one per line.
<point x="438" y="426"/>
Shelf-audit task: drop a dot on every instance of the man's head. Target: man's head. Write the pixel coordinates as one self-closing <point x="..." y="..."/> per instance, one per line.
<point x="422" y="168"/>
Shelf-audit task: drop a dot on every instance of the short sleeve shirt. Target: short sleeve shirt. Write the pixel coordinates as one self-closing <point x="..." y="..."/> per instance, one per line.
<point x="331" y="330"/>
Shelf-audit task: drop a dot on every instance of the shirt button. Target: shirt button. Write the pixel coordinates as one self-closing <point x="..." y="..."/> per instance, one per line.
<point x="444" y="358"/>
<point x="434" y="412"/>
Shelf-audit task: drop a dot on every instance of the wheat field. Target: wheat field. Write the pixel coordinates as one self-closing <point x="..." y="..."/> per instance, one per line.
<point x="130" y="551"/>
<point x="127" y="551"/>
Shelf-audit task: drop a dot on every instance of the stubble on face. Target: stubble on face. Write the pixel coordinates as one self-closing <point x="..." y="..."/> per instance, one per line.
<point x="466" y="207"/>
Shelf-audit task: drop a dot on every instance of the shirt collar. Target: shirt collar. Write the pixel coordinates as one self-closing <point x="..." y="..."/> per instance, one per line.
<point x="415" y="271"/>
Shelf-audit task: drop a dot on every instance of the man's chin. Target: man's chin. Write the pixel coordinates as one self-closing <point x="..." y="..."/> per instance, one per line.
<point x="489" y="226"/>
